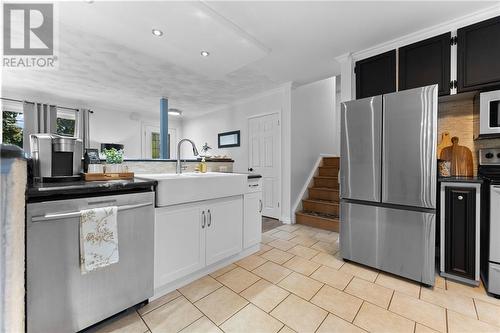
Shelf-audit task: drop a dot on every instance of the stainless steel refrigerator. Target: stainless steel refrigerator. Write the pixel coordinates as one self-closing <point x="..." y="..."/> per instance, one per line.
<point x="388" y="182"/>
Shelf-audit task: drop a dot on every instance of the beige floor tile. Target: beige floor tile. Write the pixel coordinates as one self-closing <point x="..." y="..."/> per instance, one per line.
<point x="375" y="319"/>
<point x="251" y="319"/>
<point x="298" y="314"/>
<point x="329" y="247"/>
<point x="328" y="260"/>
<point x="286" y="329"/>
<point x="300" y="285"/>
<point x="306" y="232"/>
<point x="475" y="292"/>
<point x="272" y="272"/>
<point x="221" y="304"/>
<point x="440" y="282"/>
<point x="282" y="244"/>
<point x="337" y="302"/>
<point x="301" y="265"/>
<point x="223" y="270"/>
<point x="360" y="271"/>
<point x="200" y="288"/>
<point x="283" y="235"/>
<point x="277" y="256"/>
<point x="400" y="284"/>
<point x="419" y="328"/>
<point x="289" y="227"/>
<point x="267" y="239"/>
<point x="422" y="312"/>
<point x="303" y="251"/>
<point x="173" y="316"/>
<point x="270" y="232"/>
<point x="238" y="279"/>
<point x="370" y="292"/>
<point x="334" y="324"/>
<point x="326" y="237"/>
<point x="265" y="295"/>
<point x="251" y="262"/>
<point x="159" y="302"/>
<point x="202" y="325"/>
<point x="305" y="240"/>
<point x="488" y="312"/>
<point x="459" y="303"/>
<point x="460" y="323"/>
<point x="263" y="248"/>
<point x="332" y="277"/>
<point x="128" y="322"/>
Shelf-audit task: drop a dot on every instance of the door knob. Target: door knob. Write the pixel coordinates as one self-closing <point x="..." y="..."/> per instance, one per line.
<point x="250" y="169"/>
<point x="460" y="197"/>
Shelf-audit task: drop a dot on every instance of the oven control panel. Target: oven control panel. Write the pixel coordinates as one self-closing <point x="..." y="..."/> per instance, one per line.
<point x="489" y="156"/>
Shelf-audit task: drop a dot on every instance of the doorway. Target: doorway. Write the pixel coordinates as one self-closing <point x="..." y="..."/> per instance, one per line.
<point x="151" y="142"/>
<point x="264" y="140"/>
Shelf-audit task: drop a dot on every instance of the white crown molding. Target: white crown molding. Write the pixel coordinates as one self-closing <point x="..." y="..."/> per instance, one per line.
<point x="343" y="57"/>
<point x="450" y="25"/>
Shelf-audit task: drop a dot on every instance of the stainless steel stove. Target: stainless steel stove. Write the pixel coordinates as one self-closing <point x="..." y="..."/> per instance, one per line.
<point x="489" y="171"/>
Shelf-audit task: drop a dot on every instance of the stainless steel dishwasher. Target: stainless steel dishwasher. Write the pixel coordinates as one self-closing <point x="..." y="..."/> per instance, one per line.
<point x="61" y="299"/>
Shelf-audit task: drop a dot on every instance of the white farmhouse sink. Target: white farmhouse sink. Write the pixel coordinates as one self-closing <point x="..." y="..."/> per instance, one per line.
<point x="186" y="187"/>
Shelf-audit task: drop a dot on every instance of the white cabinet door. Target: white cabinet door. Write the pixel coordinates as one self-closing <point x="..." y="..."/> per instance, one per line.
<point x="252" y="220"/>
<point x="224" y="231"/>
<point x="179" y="242"/>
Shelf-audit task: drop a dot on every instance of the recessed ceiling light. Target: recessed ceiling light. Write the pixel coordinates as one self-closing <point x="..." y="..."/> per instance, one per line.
<point x="157" y="32"/>
<point x="205" y="53"/>
<point x="174" y="112"/>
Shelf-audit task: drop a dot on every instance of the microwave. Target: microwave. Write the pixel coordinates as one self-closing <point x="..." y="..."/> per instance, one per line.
<point x="487" y="115"/>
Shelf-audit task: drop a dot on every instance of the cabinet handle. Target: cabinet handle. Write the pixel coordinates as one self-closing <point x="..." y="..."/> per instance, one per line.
<point x="460" y="197"/>
<point x="209" y="218"/>
<point x="260" y="205"/>
<point x="203" y="220"/>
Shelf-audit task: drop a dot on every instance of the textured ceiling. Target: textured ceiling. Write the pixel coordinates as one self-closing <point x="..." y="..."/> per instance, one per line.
<point x="104" y="64"/>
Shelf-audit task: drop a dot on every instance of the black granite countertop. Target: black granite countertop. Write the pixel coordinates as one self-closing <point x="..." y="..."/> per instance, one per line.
<point x="460" y="179"/>
<point x="68" y="190"/>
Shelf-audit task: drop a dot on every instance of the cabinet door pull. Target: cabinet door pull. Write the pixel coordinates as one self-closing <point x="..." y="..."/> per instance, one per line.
<point x="460" y="197"/>
<point x="203" y="220"/>
<point x="209" y="218"/>
<point x="260" y="205"/>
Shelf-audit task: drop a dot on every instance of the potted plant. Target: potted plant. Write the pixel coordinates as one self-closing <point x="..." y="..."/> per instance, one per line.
<point x="114" y="159"/>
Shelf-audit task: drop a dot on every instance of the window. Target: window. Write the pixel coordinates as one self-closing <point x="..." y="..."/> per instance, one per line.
<point x="66" y="122"/>
<point x="12" y="123"/>
<point x="155" y="145"/>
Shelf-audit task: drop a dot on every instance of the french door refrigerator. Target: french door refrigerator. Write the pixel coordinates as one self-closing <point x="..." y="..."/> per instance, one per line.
<point x="388" y="182"/>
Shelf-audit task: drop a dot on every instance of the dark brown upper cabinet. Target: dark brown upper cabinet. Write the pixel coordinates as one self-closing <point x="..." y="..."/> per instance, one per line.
<point x="426" y="62"/>
<point x="376" y="75"/>
<point x="479" y="55"/>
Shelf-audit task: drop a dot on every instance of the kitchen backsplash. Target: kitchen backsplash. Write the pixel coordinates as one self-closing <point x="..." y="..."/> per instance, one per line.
<point x="169" y="166"/>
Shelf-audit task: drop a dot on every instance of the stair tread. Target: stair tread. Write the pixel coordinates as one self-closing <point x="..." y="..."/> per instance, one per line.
<point x="326" y="202"/>
<point x="329" y="217"/>
<point x="331" y="189"/>
<point x="326" y="177"/>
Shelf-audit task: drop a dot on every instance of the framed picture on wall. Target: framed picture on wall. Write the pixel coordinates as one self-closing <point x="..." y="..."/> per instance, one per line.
<point x="229" y="139"/>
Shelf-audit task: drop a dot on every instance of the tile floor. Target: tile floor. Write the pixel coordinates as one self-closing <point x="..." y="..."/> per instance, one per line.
<point x="297" y="282"/>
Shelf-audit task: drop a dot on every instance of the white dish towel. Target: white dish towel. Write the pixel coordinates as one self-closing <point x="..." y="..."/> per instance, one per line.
<point x="98" y="238"/>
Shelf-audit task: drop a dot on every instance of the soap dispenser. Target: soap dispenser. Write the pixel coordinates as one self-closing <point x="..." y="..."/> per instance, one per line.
<point x="203" y="165"/>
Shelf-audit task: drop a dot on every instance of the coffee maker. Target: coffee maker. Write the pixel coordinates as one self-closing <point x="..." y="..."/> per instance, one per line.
<point x="56" y="157"/>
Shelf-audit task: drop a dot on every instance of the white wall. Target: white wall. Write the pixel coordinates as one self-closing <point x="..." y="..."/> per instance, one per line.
<point x="315" y="129"/>
<point x="205" y="128"/>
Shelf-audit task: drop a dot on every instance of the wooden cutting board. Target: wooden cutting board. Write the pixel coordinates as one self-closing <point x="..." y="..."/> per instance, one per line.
<point x="445" y="142"/>
<point x="460" y="158"/>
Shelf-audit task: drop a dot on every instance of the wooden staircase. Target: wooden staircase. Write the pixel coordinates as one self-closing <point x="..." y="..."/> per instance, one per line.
<point x="321" y="208"/>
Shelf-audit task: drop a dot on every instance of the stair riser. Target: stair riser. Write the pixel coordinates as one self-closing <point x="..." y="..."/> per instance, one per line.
<point x="317" y="222"/>
<point x="333" y="161"/>
<point x="330" y="183"/>
<point x="323" y="195"/>
<point x="328" y="172"/>
<point x="320" y="208"/>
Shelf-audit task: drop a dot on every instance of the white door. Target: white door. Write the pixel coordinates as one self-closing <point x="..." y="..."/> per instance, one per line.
<point x="264" y="141"/>
<point x="252" y="222"/>
<point x="151" y="142"/>
<point x="224" y="231"/>
<point x="179" y="242"/>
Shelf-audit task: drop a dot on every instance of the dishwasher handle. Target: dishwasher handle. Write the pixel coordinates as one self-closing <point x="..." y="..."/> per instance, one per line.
<point x="59" y="216"/>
